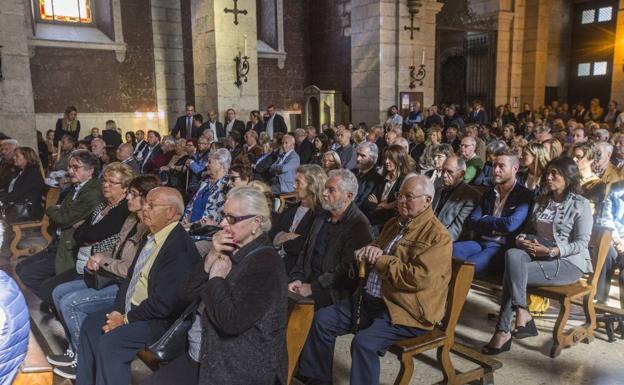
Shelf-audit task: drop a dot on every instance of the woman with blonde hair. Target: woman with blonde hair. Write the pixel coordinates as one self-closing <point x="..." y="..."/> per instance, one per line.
<point x="290" y="228"/>
<point x="417" y="145"/>
<point x="592" y="187"/>
<point x="358" y="137"/>
<point x="331" y="161"/>
<point x="553" y="147"/>
<point x="434" y="137"/>
<point x="533" y="159"/>
<point x="69" y="125"/>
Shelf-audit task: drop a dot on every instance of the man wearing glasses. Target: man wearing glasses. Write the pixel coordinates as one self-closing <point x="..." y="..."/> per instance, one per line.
<point x="409" y="269"/>
<point x="38" y="271"/>
<point x="147" y="302"/>
<point x="474" y="164"/>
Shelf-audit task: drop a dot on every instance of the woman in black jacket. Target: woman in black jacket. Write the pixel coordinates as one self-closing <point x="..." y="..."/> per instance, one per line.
<point x="238" y="336"/>
<point x="290" y="231"/>
<point x="26" y="188"/>
<point x="69" y="125"/>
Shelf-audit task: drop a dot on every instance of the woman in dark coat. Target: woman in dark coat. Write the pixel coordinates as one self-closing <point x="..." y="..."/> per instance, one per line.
<point x="69" y="125"/>
<point x="26" y="187"/>
<point x="238" y="335"/>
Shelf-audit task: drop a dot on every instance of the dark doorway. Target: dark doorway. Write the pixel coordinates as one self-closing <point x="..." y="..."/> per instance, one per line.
<point x="453" y="81"/>
<point x="593" y="43"/>
<point x="313" y="113"/>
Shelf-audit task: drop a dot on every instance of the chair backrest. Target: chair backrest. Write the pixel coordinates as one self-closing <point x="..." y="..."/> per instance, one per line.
<point x="461" y="279"/>
<point x="51" y="196"/>
<point x="300" y="315"/>
<point x="598" y="249"/>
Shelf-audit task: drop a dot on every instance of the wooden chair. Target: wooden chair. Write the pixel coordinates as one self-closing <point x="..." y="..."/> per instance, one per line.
<point x="584" y="290"/>
<point x="300" y="315"/>
<point x="442" y="338"/>
<point x="51" y="196"/>
<point x="35" y="369"/>
<point x="284" y="200"/>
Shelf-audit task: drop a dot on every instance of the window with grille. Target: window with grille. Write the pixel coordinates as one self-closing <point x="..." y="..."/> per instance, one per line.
<point x="588" y="16"/>
<point x="600" y="68"/>
<point x="605" y="14"/>
<point x="584" y="69"/>
<point x="66" y="11"/>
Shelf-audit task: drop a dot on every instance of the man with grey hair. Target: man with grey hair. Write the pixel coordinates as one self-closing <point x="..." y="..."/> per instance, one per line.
<point x="7" y="168"/>
<point x="454" y="202"/>
<point x="168" y="146"/>
<point x="125" y="154"/>
<point x="370" y="182"/>
<point x="324" y="269"/>
<point x="147" y="302"/>
<point x="471" y="130"/>
<point x="601" y="135"/>
<point x="603" y="167"/>
<point x="285" y="167"/>
<point x="345" y="151"/>
<point x="401" y="141"/>
<point x="404" y="295"/>
<point x="474" y="164"/>
<point x="303" y="146"/>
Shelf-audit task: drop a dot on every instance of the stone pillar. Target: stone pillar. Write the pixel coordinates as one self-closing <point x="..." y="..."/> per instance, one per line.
<point x="168" y="62"/>
<point x="502" y="90"/>
<point x="617" y="91"/>
<point x="216" y="42"/>
<point x="17" y="108"/>
<point x="382" y="52"/>
<point x="537" y="23"/>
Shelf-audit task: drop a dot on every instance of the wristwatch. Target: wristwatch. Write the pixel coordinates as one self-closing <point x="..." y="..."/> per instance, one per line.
<point x="552" y="253"/>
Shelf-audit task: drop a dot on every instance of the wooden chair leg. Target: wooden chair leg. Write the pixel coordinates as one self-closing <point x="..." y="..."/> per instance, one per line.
<point x="44" y="231"/>
<point x="406" y="371"/>
<point x="590" y="317"/>
<point x="448" y="370"/>
<point x="15" y="252"/>
<point x="558" y="332"/>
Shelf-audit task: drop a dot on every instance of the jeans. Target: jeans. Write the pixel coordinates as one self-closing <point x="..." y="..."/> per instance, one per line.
<point x="74" y="301"/>
<point x="612" y="262"/>
<point x="484" y="254"/>
<point x="522" y="271"/>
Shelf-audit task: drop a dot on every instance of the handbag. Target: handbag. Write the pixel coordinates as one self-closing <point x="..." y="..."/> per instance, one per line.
<point x="172" y="344"/>
<point x="16" y="211"/>
<point x="100" y="279"/>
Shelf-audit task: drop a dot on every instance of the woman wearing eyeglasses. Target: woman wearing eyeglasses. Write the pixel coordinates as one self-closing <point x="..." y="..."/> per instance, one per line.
<point x="238" y="333"/>
<point x="552" y="252"/>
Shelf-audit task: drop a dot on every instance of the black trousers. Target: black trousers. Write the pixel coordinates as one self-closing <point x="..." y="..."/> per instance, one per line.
<point x="182" y="370"/>
<point x="38" y="273"/>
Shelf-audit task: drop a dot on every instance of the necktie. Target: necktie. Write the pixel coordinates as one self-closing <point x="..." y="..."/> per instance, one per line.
<point x="188" y="128"/>
<point x="138" y="268"/>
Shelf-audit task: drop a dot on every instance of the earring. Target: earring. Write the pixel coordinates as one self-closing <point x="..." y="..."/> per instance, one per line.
<point x="253" y="232"/>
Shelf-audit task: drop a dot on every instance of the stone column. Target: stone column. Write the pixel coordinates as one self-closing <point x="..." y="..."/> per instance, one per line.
<point x="382" y="52"/>
<point x="502" y="90"/>
<point x="617" y="91"/>
<point x="537" y="23"/>
<point x="168" y="62"/>
<point x="216" y="42"/>
<point x="17" y="108"/>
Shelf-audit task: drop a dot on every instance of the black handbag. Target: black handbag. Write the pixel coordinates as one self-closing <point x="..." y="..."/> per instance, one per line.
<point x="16" y="211"/>
<point x="100" y="279"/>
<point x="172" y="344"/>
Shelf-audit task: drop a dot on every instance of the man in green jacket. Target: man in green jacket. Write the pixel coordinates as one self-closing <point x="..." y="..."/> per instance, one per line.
<point x="474" y="164"/>
<point x="49" y="268"/>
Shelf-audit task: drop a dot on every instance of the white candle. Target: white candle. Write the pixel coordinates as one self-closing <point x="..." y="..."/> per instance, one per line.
<point x="245" y="45"/>
<point x="423" y="57"/>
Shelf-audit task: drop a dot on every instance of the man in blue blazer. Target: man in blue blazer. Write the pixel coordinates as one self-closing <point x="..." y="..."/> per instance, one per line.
<point x="285" y="167"/>
<point x="498" y="218"/>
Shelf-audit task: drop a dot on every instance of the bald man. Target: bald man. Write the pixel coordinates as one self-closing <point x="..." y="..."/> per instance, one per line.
<point x="474" y="164"/>
<point x="147" y="302"/>
<point x="125" y="154"/>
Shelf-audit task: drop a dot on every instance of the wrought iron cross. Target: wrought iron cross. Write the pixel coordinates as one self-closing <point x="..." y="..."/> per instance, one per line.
<point x="411" y="28"/>
<point x="235" y="11"/>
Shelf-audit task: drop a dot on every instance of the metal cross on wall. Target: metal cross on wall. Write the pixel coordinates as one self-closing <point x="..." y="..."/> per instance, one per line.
<point x="235" y="11"/>
<point x="411" y="28"/>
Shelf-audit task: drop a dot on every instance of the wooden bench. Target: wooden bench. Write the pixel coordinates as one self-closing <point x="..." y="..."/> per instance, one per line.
<point x="51" y="197"/>
<point x="581" y="292"/>
<point x="35" y="369"/>
<point x="443" y="338"/>
<point x="300" y="315"/>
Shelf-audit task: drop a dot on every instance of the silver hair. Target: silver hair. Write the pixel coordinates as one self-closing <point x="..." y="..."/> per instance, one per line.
<point x="224" y="158"/>
<point x="461" y="163"/>
<point x="422" y="181"/>
<point x="602" y="133"/>
<point x="12" y="142"/>
<point x="300" y="131"/>
<point x="496" y="147"/>
<point x="169" y="141"/>
<point x="470" y="139"/>
<point x="605" y="147"/>
<point x="401" y="141"/>
<point x="373" y="150"/>
<point x="255" y="204"/>
<point x="348" y="181"/>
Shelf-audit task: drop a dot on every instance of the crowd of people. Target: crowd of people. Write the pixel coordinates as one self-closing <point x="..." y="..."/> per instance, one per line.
<point x="152" y="227"/>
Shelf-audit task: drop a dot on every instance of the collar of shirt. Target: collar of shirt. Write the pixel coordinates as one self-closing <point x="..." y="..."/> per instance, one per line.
<point x="79" y="186"/>
<point x="162" y="235"/>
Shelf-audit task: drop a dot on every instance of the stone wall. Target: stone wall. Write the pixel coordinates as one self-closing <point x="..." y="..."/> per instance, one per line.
<point x="617" y="90"/>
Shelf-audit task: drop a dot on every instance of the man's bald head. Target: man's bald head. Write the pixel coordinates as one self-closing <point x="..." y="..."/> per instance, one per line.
<point x="169" y="196"/>
<point x="163" y="206"/>
<point x="453" y="171"/>
<point x="124" y="151"/>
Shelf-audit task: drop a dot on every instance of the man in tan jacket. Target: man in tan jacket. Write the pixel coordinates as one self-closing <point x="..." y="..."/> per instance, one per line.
<point x="404" y="295"/>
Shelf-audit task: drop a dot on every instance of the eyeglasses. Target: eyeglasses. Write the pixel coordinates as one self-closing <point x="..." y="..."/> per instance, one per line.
<point x="408" y="197"/>
<point x="76" y="167"/>
<point x="135" y="194"/>
<point x="232" y="220"/>
<point x="110" y="182"/>
<point x="151" y="205"/>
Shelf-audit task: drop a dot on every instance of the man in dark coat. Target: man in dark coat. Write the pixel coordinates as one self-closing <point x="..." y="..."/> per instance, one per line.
<point x="147" y="303"/>
<point x="233" y="124"/>
<point x="275" y="122"/>
<point x="184" y="123"/>
<point x="303" y="147"/>
<point x="370" y="182"/>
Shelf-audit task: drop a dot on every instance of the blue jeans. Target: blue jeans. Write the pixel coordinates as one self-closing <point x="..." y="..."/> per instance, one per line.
<point x="481" y="254"/>
<point x="74" y="301"/>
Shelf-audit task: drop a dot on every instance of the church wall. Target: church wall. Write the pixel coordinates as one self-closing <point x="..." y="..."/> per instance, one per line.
<point x="93" y="80"/>
<point x="559" y="42"/>
<point x="284" y="87"/>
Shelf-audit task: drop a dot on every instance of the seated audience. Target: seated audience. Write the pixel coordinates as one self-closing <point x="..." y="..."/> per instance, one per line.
<point x="486" y="177"/>
<point x="321" y="146"/>
<point x="22" y="200"/>
<point x="143" y="310"/>
<point x="440" y="154"/>
<point x="346" y="152"/>
<point x="533" y="160"/>
<point x="303" y="147"/>
<point x="591" y="186"/>
<point x="264" y="162"/>
<point x="7" y="166"/>
<point x="75" y="300"/>
<point x="454" y="202"/>
<point x="38" y="272"/>
<point x="289" y="232"/>
<point x="150" y="151"/>
<point x="498" y="217"/>
<point x="397" y="164"/>
<point x="604" y="169"/>
<point x="173" y="173"/>
<point x="613" y="218"/>
<point x="323" y="268"/>
<point x="242" y="300"/>
<point x="254" y="150"/>
<point x="155" y="162"/>
<point x="416" y="143"/>
<point x="131" y="139"/>
<point x="405" y="293"/>
<point x="125" y="156"/>
<point x="206" y="206"/>
<point x="480" y="148"/>
<point x="196" y="163"/>
<point x="369" y="180"/>
<point x="452" y="138"/>
<point x="618" y="150"/>
<point x="239" y="174"/>
<point x="285" y="167"/>
<point x="552" y="251"/>
<point x="434" y="136"/>
<point x="331" y="161"/>
<point x="67" y="144"/>
<point x="474" y="164"/>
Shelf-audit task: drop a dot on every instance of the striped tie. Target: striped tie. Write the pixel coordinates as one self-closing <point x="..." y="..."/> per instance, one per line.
<point x="138" y="267"/>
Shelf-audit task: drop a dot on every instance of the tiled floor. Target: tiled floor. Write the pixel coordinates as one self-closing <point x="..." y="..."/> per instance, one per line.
<point x="528" y="363"/>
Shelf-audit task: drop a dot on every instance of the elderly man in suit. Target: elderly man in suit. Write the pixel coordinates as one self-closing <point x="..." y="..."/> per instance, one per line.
<point x="404" y="295"/>
<point x="147" y="302"/>
<point x="184" y="123"/>
<point x="125" y="156"/>
<point x="285" y="167"/>
<point x="151" y="151"/>
<point x="346" y="150"/>
<point x="454" y="202"/>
